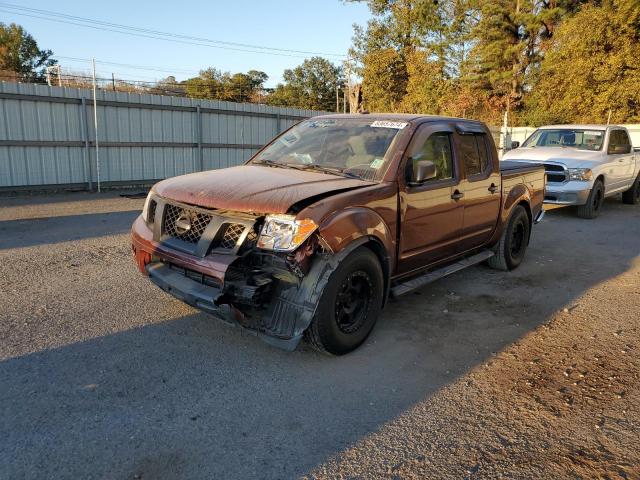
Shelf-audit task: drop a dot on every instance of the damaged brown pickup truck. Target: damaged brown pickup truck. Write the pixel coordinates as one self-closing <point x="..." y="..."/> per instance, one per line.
<point x="312" y="235"/>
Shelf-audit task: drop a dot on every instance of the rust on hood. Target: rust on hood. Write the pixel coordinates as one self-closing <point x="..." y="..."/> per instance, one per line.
<point x="252" y="188"/>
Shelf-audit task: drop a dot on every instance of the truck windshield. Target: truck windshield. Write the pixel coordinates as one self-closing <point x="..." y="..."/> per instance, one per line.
<point x="566" y="137"/>
<point x="349" y="147"/>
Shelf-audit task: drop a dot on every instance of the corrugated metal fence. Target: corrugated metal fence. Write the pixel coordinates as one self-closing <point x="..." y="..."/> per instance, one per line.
<point x="47" y="135"/>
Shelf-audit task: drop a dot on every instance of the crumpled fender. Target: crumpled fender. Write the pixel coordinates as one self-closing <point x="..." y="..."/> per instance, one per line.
<point x="350" y="224"/>
<point x="291" y="313"/>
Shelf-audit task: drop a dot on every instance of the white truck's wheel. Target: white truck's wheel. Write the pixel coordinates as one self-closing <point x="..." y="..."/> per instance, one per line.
<point x="632" y="196"/>
<point x="592" y="208"/>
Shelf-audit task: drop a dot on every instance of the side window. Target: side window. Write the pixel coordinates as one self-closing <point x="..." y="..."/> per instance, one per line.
<point x="619" y="138"/>
<point x="437" y="149"/>
<point x="613" y="139"/>
<point x="481" y="141"/>
<point x="624" y="138"/>
<point x="473" y="150"/>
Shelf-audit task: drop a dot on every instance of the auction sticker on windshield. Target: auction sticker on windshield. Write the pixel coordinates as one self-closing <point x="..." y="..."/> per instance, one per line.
<point x="377" y="163"/>
<point x="387" y="124"/>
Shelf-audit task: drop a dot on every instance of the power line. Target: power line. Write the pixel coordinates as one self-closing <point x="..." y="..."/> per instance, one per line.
<point x="156" y="34"/>
<point x="150" y="36"/>
<point x="128" y="65"/>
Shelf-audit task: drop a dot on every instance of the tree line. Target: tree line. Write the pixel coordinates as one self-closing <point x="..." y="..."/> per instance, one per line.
<point x="542" y="61"/>
<point x="538" y="61"/>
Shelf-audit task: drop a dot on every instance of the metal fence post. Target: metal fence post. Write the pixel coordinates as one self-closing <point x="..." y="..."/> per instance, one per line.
<point x="199" y="137"/>
<point x="85" y="138"/>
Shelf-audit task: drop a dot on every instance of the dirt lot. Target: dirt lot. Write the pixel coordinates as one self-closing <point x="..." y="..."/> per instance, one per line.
<point x="529" y="374"/>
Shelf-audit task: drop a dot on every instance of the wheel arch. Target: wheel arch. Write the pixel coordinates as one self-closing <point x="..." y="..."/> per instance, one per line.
<point x="376" y="246"/>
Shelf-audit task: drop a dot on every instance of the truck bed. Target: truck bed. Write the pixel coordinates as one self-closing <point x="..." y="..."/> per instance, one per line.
<point x="510" y="168"/>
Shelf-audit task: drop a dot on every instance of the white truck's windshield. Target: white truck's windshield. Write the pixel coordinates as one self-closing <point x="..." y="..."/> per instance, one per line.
<point x="566" y="137"/>
<point x="350" y="147"/>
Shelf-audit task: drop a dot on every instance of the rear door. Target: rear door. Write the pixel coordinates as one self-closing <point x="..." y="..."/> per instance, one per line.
<point x="431" y="212"/>
<point x="622" y="164"/>
<point x="481" y="186"/>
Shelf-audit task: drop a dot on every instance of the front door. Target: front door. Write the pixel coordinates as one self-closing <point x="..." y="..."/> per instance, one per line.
<point x="432" y="211"/>
<point x="622" y="164"/>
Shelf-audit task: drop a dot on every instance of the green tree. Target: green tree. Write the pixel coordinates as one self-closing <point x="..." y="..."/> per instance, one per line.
<point x="20" y="54"/>
<point x="311" y="85"/>
<point x="591" y="67"/>
<point x="400" y="32"/>
<point x="509" y="39"/>
<point x="214" y="84"/>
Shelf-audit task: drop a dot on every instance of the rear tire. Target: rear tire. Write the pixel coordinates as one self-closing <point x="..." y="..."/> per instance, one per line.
<point x="632" y="196"/>
<point x="349" y="306"/>
<point x="592" y="208"/>
<point x="513" y="242"/>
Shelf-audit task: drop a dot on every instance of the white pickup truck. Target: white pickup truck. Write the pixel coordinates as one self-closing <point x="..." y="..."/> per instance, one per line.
<point x="584" y="164"/>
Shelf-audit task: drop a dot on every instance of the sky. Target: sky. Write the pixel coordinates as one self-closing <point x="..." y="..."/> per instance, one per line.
<point x="324" y="26"/>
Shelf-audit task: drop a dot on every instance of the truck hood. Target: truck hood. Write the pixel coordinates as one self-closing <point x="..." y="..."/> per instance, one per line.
<point x="572" y="157"/>
<point x="255" y="189"/>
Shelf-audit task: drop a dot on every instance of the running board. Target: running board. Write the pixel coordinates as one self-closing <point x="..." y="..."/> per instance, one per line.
<point x="432" y="276"/>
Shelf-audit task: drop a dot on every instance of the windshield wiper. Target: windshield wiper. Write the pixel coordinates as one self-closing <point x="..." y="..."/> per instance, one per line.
<point x="330" y="170"/>
<point x="270" y="163"/>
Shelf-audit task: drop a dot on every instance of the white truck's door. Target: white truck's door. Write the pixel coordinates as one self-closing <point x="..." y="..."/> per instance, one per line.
<point x="621" y="159"/>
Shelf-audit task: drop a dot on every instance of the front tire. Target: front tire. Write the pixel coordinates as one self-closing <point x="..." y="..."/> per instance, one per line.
<point x="592" y="208"/>
<point x="513" y="242"/>
<point x="632" y="196"/>
<point x="349" y="306"/>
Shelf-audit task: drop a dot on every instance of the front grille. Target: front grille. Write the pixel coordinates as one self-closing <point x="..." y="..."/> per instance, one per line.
<point x="555" y="173"/>
<point x="232" y="234"/>
<point x="176" y="220"/>
<point x="188" y="224"/>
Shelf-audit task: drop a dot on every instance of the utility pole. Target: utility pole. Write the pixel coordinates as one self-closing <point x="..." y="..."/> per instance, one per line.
<point x="337" y="99"/>
<point x="113" y="82"/>
<point x="347" y="84"/>
<point x="95" y="124"/>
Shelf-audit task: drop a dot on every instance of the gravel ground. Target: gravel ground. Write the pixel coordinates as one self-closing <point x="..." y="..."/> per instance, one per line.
<point x="529" y="374"/>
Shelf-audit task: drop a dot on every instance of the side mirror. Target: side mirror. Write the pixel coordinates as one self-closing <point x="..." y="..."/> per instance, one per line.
<point x="425" y="170"/>
<point x="515" y="144"/>
<point x="618" y="149"/>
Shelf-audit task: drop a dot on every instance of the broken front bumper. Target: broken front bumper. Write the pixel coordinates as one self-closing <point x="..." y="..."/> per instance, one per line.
<point x="211" y="300"/>
<point x="203" y="283"/>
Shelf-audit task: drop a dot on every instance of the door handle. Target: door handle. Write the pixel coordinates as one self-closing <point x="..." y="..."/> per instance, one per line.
<point x="493" y="188"/>
<point x="457" y="195"/>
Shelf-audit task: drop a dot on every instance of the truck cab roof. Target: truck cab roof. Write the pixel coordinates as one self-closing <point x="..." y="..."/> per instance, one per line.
<point x="592" y="126"/>
<point x="406" y="117"/>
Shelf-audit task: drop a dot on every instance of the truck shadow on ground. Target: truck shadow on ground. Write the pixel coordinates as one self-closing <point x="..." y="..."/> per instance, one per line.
<point x="28" y="232"/>
<point x="193" y="398"/>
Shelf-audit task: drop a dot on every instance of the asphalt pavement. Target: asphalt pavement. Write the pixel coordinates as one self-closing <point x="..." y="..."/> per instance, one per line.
<point x="102" y="375"/>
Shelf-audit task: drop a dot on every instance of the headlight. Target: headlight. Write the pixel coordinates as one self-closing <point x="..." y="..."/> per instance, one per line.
<point x="149" y="210"/>
<point x="283" y="233"/>
<point x="580" y="174"/>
